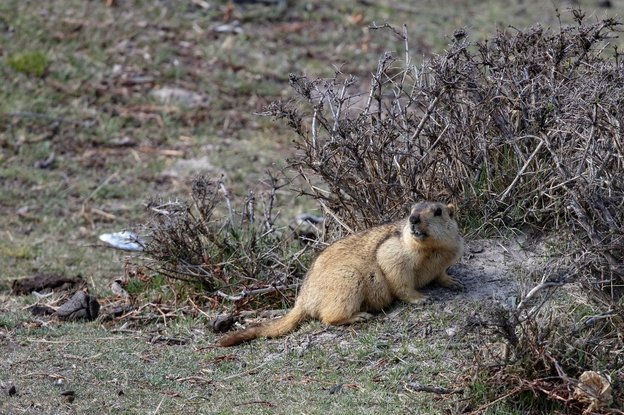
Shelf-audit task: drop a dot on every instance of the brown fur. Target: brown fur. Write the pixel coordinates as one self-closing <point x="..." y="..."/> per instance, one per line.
<point x="367" y="271"/>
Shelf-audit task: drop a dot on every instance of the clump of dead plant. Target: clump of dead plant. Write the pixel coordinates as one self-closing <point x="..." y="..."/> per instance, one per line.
<point x="230" y="247"/>
<point x="524" y="132"/>
<point x="548" y="353"/>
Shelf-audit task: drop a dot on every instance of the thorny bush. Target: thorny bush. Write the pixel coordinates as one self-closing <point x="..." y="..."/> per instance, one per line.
<point x="228" y="248"/>
<point x="524" y="132"/>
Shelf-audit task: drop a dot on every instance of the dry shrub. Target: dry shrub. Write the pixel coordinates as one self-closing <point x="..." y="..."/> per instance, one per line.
<point x="523" y="131"/>
<point x="228" y="246"/>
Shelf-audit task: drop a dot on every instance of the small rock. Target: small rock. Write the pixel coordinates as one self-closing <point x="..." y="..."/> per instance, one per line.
<point x="12" y="390"/>
<point x="173" y="95"/>
<point x="118" y="290"/>
<point x="122" y="142"/>
<point x="233" y="27"/>
<point x="451" y="331"/>
<point x="69" y="396"/>
<point x="335" y="389"/>
<point x="23" y="211"/>
<point x="47" y="163"/>
<point x="223" y="323"/>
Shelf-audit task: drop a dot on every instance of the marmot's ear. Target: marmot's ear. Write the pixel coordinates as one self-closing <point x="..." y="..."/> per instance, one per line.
<point x="451" y="209"/>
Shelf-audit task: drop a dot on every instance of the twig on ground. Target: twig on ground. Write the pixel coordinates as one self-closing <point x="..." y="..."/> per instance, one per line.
<point x="418" y="387"/>
<point x="537" y="288"/>
<point x="246" y="372"/>
<point x="247" y="293"/>
<point x="159" y="405"/>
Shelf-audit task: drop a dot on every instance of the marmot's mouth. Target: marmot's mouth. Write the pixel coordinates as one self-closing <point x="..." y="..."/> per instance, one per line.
<point x="418" y="234"/>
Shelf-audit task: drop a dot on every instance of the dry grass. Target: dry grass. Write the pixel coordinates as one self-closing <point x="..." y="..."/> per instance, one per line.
<point x="231" y="247"/>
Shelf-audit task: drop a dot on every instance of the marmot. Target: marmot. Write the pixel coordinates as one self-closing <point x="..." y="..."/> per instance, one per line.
<point x="368" y="270"/>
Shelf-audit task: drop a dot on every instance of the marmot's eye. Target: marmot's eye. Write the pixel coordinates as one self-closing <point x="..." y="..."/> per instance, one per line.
<point x="438" y="212"/>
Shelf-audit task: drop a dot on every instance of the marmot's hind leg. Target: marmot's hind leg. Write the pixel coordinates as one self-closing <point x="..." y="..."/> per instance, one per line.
<point x="342" y="312"/>
<point x="343" y="307"/>
<point x="355" y="318"/>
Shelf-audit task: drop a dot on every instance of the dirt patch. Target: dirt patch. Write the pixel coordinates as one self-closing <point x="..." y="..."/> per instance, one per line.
<point x="46" y="283"/>
<point x="488" y="270"/>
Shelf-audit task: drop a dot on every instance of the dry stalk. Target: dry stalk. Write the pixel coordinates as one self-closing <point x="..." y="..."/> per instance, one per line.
<point x="216" y="241"/>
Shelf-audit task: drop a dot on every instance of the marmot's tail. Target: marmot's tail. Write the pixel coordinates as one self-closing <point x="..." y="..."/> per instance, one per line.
<point x="274" y="328"/>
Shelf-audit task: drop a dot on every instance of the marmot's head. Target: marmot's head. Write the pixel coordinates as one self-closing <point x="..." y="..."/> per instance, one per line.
<point x="432" y="221"/>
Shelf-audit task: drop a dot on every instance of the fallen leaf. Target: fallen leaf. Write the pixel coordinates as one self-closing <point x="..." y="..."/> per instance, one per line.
<point x="595" y="389"/>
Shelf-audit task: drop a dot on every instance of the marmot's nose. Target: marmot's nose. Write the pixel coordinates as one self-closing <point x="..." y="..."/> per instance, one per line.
<point x="414" y="219"/>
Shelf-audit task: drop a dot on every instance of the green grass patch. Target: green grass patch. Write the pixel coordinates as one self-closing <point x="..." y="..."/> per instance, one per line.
<point x="30" y="63"/>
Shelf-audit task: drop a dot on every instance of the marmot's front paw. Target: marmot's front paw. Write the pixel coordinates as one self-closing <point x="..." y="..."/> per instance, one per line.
<point x="418" y="298"/>
<point x="457" y="285"/>
<point x="451" y="282"/>
<point x="361" y="316"/>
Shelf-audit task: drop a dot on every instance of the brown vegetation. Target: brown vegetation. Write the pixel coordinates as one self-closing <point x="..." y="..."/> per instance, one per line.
<point x="225" y="246"/>
<point x="523" y="131"/>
